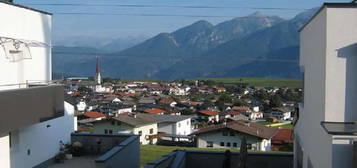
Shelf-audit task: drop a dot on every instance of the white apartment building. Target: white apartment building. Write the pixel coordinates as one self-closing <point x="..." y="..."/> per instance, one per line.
<point x="324" y="136"/>
<point x="33" y="119"/>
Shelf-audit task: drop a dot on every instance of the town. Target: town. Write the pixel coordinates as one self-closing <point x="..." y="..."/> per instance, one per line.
<point x="175" y="113"/>
<point x="98" y="120"/>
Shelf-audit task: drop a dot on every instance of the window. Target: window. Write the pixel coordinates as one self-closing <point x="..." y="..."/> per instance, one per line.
<point x="188" y="122"/>
<point x="113" y="122"/>
<point x="209" y="144"/>
<point x="140" y="133"/>
<point x="222" y="143"/>
<point x="105" y="131"/>
<point x="231" y="133"/>
<point x="225" y="133"/>
<point x="179" y="124"/>
<point x="28" y="152"/>
<point x="110" y="131"/>
<point x="118" y="123"/>
<point x="234" y="144"/>
<point x="151" y="131"/>
<point x="249" y="146"/>
<point x="228" y="144"/>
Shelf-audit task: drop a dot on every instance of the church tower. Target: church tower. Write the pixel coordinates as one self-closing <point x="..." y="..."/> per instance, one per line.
<point x="98" y="77"/>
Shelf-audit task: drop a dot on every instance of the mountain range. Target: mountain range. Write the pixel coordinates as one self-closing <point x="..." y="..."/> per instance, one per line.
<point x="256" y="45"/>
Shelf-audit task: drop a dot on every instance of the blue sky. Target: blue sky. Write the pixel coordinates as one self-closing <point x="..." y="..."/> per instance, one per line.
<point x="104" y="26"/>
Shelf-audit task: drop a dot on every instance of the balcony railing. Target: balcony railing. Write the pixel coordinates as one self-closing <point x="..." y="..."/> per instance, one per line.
<point x="31" y="105"/>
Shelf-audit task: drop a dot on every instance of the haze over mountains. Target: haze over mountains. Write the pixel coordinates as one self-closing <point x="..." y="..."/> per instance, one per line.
<point x="253" y="46"/>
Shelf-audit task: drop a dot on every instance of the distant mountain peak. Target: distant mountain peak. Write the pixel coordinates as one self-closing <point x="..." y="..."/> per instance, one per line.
<point x="257" y="14"/>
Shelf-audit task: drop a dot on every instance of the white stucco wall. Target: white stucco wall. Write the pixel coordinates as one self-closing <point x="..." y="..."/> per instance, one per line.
<point x="42" y="140"/>
<point x="144" y="139"/>
<point x="5" y="152"/>
<point x="20" y="23"/>
<point x="328" y="47"/>
<point x="217" y="137"/>
<point x="183" y="127"/>
<point x="315" y="142"/>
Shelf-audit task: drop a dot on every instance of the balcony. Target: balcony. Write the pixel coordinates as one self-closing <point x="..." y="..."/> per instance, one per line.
<point x="104" y="151"/>
<point x="27" y="106"/>
<point x="203" y="159"/>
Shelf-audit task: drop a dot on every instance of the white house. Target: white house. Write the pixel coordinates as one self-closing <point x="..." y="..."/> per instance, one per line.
<point x="281" y="113"/>
<point x="172" y="124"/>
<point x="328" y="60"/>
<point x="208" y="115"/>
<point x="142" y="125"/>
<point x="81" y="106"/>
<point x="32" y="128"/>
<point x="229" y="135"/>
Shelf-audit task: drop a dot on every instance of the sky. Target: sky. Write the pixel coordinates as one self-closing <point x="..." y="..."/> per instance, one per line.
<point x="104" y="27"/>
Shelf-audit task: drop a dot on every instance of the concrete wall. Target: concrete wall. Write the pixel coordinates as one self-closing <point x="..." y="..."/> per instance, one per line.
<point x="90" y="142"/>
<point x="315" y="143"/>
<point x="33" y="105"/>
<point x="204" y="159"/>
<point x="37" y="143"/>
<point x="31" y="26"/>
<point x="5" y="151"/>
<point x="118" y="156"/>
<point x="328" y="56"/>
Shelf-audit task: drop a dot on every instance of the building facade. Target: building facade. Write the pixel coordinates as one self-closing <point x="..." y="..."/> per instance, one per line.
<point x="328" y="60"/>
<point x="34" y="119"/>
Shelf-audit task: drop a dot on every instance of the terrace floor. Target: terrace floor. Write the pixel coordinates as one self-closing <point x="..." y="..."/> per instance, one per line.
<point x="83" y="162"/>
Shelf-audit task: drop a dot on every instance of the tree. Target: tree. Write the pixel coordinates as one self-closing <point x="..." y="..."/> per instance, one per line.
<point x="275" y="101"/>
<point x="84" y="89"/>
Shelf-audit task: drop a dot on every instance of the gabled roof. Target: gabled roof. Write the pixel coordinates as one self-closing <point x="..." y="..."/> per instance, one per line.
<point x="208" y="112"/>
<point x="154" y="111"/>
<point x="92" y="114"/>
<point x="136" y="120"/>
<point x="241" y="108"/>
<point x="283" y="136"/>
<point x="167" y="118"/>
<point x="246" y="127"/>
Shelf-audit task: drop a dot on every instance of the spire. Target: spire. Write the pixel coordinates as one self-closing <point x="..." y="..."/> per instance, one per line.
<point x="98" y="78"/>
<point x="97" y="70"/>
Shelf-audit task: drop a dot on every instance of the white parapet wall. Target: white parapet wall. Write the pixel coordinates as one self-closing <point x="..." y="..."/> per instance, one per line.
<point x="40" y="142"/>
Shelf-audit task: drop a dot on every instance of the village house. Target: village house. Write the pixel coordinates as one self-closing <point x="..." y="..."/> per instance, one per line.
<point x="281" y="113"/>
<point x="155" y="111"/>
<point x="138" y="124"/>
<point x="208" y="115"/>
<point x="230" y="135"/>
<point x="283" y="140"/>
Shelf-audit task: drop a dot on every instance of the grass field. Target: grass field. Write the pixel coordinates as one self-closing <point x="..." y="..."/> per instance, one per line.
<point x="285" y="126"/>
<point x="261" y="82"/>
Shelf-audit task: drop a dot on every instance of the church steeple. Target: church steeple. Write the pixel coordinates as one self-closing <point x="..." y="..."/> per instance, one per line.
<point x="98" y="78"/>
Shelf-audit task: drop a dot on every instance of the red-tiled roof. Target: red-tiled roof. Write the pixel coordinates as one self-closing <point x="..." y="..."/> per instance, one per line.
<point x="241" y="108"/>
<point x="92" y="114"/>
<point x="246" y="127"/>
<point x="155" y="111"/>
<point x="166" y="101"/>
<point x="233" y="112"/>
<point x="283" y="136"/>
<point x="208" y="112"/>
